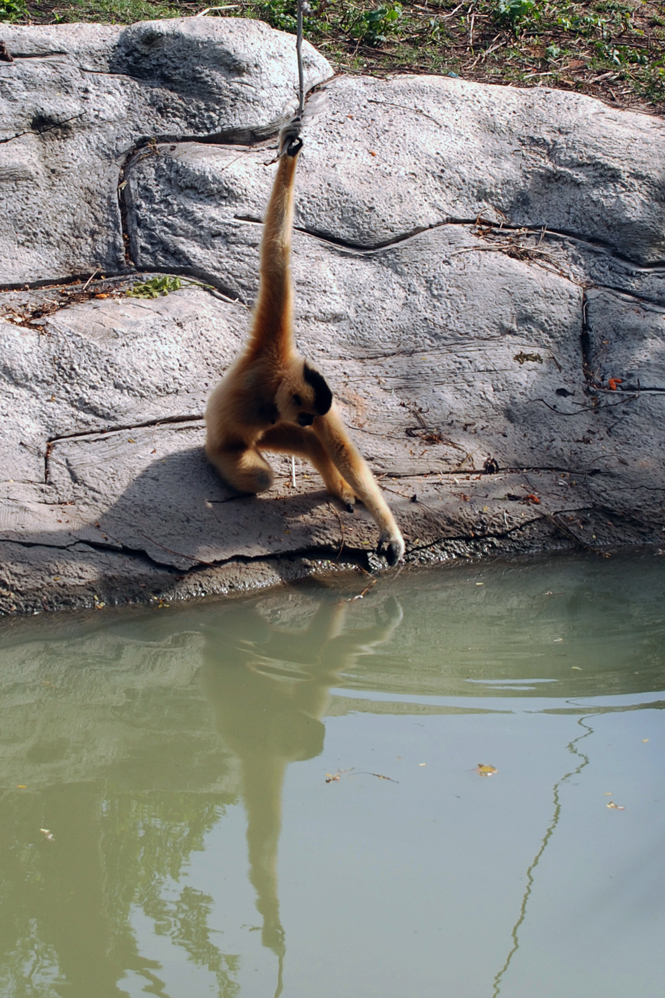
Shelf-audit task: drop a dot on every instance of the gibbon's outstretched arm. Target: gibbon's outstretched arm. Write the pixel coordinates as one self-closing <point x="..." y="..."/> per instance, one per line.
<point x="272" y="328"/>
<point x="273" y="399"/>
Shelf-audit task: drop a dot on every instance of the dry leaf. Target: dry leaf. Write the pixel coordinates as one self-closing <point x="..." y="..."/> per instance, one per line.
<point x="330" y="777"/>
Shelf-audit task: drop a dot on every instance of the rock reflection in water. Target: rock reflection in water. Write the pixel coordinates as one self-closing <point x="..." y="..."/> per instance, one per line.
<point x="108" y="733"/>
<point x="130" y="736"/>
<point x="269" y="689"/>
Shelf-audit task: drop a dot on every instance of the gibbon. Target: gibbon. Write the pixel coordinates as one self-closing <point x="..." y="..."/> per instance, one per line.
<point x="272" y="399"/>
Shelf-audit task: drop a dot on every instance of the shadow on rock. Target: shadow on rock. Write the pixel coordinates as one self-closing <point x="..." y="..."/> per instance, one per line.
<point x="179" y="513"/>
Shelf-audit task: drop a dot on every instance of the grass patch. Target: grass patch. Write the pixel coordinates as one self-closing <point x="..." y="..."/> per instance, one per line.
<point x="613" y="49"/>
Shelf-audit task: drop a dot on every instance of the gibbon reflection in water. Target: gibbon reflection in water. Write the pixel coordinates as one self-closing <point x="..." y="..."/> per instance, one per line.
<point x="269" y="689"/>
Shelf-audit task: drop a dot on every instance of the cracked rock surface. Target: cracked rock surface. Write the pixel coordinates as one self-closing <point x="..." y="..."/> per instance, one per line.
<point x="480" y="272"/>
<point x="79" y="98"/>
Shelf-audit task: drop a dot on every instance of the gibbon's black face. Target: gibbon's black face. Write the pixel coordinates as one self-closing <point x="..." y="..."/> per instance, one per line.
<point x="303" y="395"/>
<point x="322" y="394"/>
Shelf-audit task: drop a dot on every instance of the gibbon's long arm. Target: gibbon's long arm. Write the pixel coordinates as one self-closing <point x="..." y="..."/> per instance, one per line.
<point x="343" y="469"/>
<point x="352" y="466"/>
<point x="272" y="328"/>
<point x="273" y="399"/>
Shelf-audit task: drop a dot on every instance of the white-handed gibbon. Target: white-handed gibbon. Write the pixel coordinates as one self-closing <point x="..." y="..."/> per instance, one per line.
<point x="272" y="399"/>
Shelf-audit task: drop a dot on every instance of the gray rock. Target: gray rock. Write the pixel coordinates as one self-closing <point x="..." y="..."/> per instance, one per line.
<point x="626" y="341"/>
<point x="88" y="47"/>
<point x="108" y="363"/>
<point x="388" y="159"/>
<point x="456" y="345"/>
<point x="82" y="98"/>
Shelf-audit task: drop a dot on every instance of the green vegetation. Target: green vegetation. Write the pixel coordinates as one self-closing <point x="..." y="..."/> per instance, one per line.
<point x="12" y="10"/>
<point x="155" y="287"/>
<point x="614" y="49"/>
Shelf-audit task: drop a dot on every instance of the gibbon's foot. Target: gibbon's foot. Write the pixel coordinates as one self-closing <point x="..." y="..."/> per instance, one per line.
<point x="392" y="548"/>
<point x="347" y="496"/>
<point x="247" y="471"/>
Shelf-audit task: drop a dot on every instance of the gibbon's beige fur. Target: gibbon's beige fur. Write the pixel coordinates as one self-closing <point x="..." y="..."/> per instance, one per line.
<point x="272" y="399"/>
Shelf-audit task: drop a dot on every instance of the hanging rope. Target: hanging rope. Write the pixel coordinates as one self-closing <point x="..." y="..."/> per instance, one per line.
<point x="302" y="6"/>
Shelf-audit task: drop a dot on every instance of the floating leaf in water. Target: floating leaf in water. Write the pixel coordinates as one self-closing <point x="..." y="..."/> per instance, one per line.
<point x="331" y="777"/>
<point x="616" y="807"/>
<point x="484" y="770"/>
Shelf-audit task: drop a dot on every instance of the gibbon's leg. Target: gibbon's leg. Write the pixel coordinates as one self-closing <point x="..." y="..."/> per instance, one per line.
<point x="291" y="439"/>
<point x="332" y="433"/>
<point x="243" y="468"/>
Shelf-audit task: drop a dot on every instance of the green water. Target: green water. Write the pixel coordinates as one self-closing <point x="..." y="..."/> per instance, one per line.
<point x="169" y="825"/>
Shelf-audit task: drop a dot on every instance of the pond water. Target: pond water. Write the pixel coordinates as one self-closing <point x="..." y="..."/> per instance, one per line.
<point x="282" y="794"/>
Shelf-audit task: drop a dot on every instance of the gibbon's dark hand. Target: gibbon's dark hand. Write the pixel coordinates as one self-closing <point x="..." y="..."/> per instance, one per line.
<point x="392" y="611"/>
<point x="293" y="146"/>
<point x="392" y="548"/>
<point x="290" y="142"/>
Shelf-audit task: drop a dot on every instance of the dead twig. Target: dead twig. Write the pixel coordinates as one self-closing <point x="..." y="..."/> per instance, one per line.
<point x="341" y="527"/>
<point x="483" y="55"/>
<point x="364" y="592"/>
<point x="227" y="6"/>
<point x="89" y="279"/>
<point x="586" y="408"/>
<point x="563" y="529"/>
<point x="405" y="107"/>
<point x="379" y="776"/>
